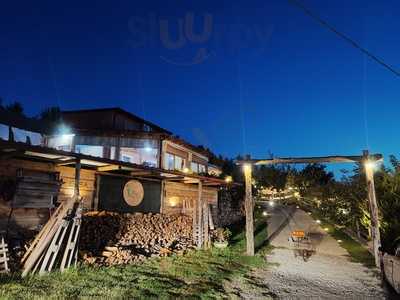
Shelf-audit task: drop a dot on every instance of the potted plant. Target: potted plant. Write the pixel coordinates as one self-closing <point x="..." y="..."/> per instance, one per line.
<point x="221" y="237"/>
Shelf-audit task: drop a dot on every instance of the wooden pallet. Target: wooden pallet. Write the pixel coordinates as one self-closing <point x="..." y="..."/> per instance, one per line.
<point x="4" y="268"/>
<point x="71" y="250"/>
<point x="36" y="254"/>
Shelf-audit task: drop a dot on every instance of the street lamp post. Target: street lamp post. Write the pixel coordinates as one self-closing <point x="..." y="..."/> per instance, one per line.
<point x="249" y="206"/>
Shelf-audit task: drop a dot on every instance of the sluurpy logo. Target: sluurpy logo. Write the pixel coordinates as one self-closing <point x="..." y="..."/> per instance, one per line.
<point x="146" y="31"/>
<point x="183" y="43"/>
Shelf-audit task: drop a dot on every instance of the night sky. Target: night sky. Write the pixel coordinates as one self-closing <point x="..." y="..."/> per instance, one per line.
<point x="266" y="79"/>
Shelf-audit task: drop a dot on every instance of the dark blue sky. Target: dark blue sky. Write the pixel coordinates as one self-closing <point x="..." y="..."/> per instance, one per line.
<point x="267" y="78"/>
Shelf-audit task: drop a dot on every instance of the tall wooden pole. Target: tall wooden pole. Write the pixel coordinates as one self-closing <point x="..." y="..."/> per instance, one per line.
<point x="376" y="237"/>
<point x="249" y="206"/>
<point x="199" y="217"/>
<point x="205" y="224"/>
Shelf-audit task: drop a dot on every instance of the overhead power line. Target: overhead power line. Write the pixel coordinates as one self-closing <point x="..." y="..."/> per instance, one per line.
<point x="343" y="36"/>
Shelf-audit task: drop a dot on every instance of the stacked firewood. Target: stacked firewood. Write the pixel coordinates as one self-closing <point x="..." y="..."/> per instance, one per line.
<point x="113" y="239"/>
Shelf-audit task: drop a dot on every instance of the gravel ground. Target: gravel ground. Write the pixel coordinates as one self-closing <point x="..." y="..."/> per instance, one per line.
<point x="321" y="277"/>
<point x="325" y="273"/>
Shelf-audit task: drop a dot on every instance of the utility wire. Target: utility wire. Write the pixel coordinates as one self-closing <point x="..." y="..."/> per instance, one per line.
<point x="343" y="36"/>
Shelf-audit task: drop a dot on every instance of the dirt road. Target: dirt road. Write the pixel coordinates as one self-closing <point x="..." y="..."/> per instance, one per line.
<point x="324" y="273"/>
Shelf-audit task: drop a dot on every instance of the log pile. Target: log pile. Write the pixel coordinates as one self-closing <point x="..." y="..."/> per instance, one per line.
<point x="113" y="239"/>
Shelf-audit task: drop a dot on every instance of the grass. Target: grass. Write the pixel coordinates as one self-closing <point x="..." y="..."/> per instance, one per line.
<point x="358" y="253"/>
<point x="196" y="275"/>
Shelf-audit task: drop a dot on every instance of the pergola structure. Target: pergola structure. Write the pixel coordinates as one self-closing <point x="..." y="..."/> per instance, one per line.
<point x="365" y="159"/>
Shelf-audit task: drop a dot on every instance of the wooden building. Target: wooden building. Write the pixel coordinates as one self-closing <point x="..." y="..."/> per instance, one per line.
<point x="113" y="160"/>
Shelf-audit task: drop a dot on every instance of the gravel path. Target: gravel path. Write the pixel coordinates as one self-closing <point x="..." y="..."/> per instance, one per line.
<point x="326" y="274"/>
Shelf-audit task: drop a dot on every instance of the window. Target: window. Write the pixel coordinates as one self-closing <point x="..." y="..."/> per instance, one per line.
<point x="169" y="162"/>
<point x="174" y="162"/>
<point x="96" y="151"/>
<point x="131" y="155"/>
<point x="194" y="167"/>
<point x="202" y="168"/>
<point x="179" y="163"/>
<point x="197" y="168"/>
<point x="126" y="158"/>
<point x="61" y="142"/>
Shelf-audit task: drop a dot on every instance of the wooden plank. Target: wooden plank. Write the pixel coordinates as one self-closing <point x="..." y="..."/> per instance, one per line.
<point x="108" y="168"/>
<point x="310" y="160"/>
<point x="249" y="206"/>
<point x="210" y="218"/>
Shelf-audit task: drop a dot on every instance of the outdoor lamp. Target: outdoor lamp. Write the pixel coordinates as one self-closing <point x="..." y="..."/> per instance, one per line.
<point x="370" y="165"/>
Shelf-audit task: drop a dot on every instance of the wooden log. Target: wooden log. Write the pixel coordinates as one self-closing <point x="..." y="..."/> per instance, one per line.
<point x="249" y="206"/>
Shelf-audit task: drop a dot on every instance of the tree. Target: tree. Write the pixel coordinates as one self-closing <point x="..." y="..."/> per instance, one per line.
<point x="52" y="114"/>
<point x="15" y="107"/>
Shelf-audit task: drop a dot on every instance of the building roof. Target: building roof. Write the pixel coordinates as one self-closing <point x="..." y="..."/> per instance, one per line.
<point x="120" y="111"/>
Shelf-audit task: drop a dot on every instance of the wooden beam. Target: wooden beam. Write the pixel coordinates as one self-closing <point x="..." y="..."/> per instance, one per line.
<point x="11" y="154"/>
<point x="108" y="168"/>
<point x="65" y="162"/>
<point x="249" y="206"/>
<point x="97" y="195"/>
<point x="77" y="179"/>
<point x="310" y="160"/>
<point x="206" y="239"/>
<point x="376" y="237"/>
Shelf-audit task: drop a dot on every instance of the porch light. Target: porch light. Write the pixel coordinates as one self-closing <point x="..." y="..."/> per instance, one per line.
<point x="173" y="201"/>
<point x="228" y="179"/>
<point x="246" y="167"/>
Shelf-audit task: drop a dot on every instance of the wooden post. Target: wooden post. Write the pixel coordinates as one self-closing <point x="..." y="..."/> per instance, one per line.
<point x="97" y="193"/>
<point x="199" y="217"/>
<point x="249" y="206"/>
<point x="376" y="238"/>
<point x="205" y="224"/>
<point x="77" y="179"/>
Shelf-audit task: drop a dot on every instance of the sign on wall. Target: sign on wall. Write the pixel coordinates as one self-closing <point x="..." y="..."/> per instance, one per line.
<point x="133" y="192"/>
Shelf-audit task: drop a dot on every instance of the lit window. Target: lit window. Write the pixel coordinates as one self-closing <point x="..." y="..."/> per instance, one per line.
<point x="169" y="161"/>
<point x="194" y="167"/>
<point x="126" y="158"/>
<point x="174" y="162"/>
<point x="179" y="163"/>
<point x="202" y="168"/>
<point x="89" y="150"/>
